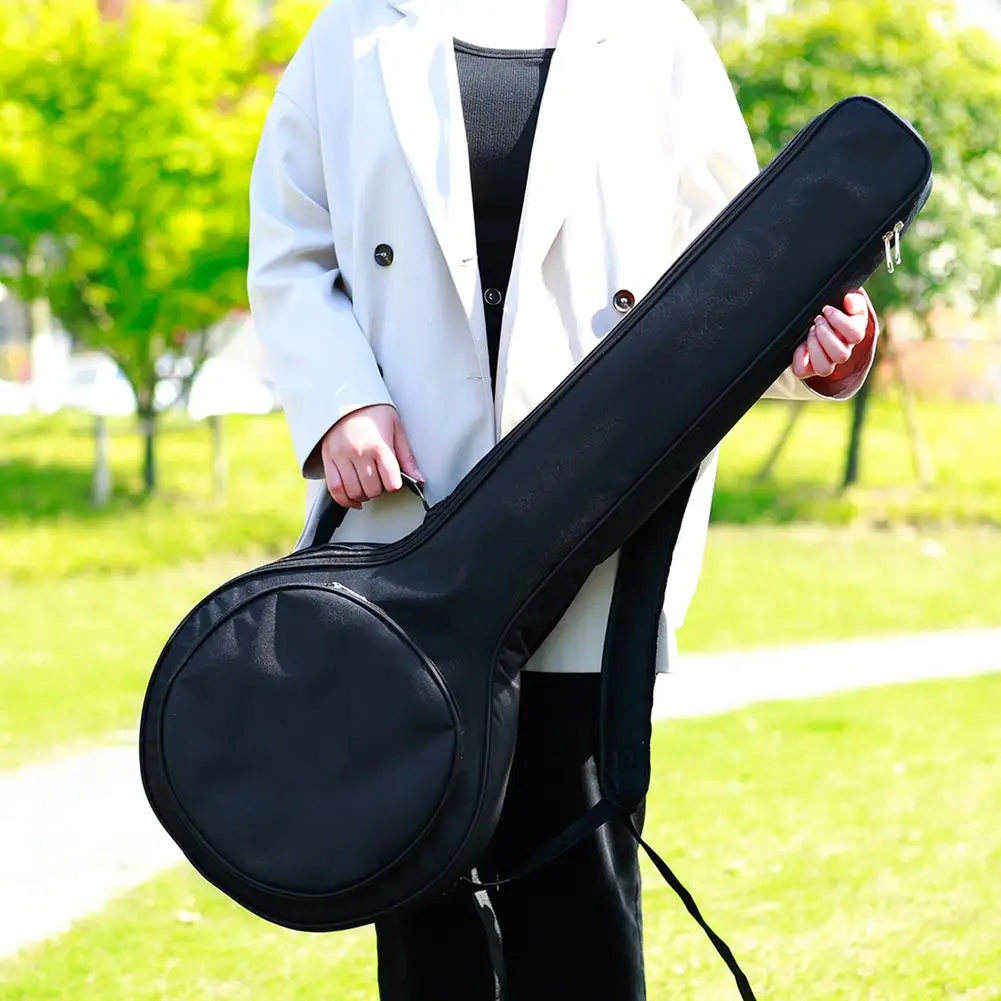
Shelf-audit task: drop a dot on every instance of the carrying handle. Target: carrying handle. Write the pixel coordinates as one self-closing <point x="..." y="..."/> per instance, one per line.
<point x="416" y="487"/>
<point x="333" y="514"/>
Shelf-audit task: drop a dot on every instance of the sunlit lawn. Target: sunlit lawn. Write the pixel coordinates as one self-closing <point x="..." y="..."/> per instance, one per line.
<point x="75" y="654"/>
<point x="48" y="527"/>
<point x="87" y="598"/>
<point x="847" y="848"/>
<point x="962" y="444"/>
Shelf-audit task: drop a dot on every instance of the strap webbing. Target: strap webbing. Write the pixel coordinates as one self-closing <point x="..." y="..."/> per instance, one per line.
<point x="585" y="825"/>
<point x="628" y="667"/>
<point x="495" y="943"/>
<point x="628" y="674"/>
<point x="689" y="901"/>
<point x="599" y="814"/>
<point x="627" y="689"/>
<point x="332" y="514"/>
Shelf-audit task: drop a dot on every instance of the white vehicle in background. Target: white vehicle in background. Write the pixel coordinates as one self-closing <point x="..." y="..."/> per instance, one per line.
<point x="95" y="384"/>
<point x="222" y="387"/>
<point x="16" y="398"/>
<point x="233" y="380"/>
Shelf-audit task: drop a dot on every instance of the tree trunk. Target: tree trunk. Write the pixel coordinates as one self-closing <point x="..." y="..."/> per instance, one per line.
<point x="860" y="406"/>
<point x="923" y="468"/>
<point x="220" y="467"/>
<point x="795" y="411"/>
<point x="101" y="487"/>
<point x="147" y="427"/>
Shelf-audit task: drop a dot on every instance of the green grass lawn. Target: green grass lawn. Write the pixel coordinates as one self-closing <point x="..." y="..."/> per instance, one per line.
<point x="962" y="443"/>
<point x="801" y="584"/>
<point x="76" y="653"/>
<point x="847" y="848"/>
<point x="49" y="529"/>
<point x="88" y="597"/>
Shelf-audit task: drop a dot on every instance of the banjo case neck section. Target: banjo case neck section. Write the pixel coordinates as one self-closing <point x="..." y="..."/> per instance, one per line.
<point x="328" y="737"/>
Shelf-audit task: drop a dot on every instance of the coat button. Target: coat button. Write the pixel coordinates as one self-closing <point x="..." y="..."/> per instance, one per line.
<point x="384" y="255"/>
<point x="493" y="297"/>
<point x="623" y="301"/>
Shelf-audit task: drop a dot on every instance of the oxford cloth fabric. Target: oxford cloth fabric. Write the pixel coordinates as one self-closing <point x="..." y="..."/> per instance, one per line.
<point x="639" y="144"/>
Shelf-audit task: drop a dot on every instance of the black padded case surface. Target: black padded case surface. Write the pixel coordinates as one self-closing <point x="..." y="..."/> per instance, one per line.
<point x="328" y="737"/>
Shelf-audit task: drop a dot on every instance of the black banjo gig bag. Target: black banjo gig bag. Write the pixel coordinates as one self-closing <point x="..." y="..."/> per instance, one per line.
<point x="328" y="737"/>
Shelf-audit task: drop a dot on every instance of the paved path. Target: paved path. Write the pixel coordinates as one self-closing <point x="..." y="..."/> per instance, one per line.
<point x="712" y="683"/>
<point x="73" y="833"/>
<point x="76" y="831"/>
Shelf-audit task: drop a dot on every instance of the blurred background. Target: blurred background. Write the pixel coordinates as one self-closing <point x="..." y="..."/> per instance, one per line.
<point x="846" y="844"/>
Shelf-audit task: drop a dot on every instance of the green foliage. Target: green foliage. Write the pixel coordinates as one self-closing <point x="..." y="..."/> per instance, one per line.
<point x="946" y="80"/>
<point x="288" y="21"/>
<point x="136" y="135"/>
<point x="721" y="18"/>
<point x="125" y="154"/>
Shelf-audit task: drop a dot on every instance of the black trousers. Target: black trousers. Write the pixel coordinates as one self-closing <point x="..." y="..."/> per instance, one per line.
<point x="571" y="931"/>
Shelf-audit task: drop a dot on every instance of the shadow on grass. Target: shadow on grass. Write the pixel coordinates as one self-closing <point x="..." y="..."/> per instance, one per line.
<point x="779" y="504"/>
<point x="75" y="423"/>
<point x="33" y="493"/>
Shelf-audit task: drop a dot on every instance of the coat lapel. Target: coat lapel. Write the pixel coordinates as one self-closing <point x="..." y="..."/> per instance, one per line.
<point x="563" y="153"/>
<point x="419" y="72"/>
<point x="422" y="87"/>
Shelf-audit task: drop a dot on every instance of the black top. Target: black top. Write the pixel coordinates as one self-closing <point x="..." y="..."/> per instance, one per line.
<point x="501" y="92"/>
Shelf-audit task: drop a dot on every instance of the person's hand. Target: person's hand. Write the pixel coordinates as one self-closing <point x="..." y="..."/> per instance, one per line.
<point x="363" y="454"/>
<point x="832" y="340"/>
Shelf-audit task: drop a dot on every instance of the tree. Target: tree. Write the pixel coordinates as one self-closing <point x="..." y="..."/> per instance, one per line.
<point x="946" y="80"/>
<point x="125" y="154"/>
<point x="722" y="18"/>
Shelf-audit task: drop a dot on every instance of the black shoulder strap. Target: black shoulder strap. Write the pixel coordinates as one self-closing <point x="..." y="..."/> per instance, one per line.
<point x="628" y="674"/>
<point x="628" y="668"/>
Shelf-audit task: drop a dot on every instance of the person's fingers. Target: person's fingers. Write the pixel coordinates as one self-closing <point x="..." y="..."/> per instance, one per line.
<point x="404" y="453"/>
<point x="389" y="468"/>
<point x="365" y="453"/>
<point x="352" y="486"/>
<point x="850" y="328"/>
<point x="822" y="365"/>
<point x="834" y="347"/>
<point x="335" y="487"/>
<point x="801" y="362"/>
<point x="367" y="470"/>
<point x="856" y="304"/>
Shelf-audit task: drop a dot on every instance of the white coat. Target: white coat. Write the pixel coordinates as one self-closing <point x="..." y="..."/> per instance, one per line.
<point x="639" y="144"/>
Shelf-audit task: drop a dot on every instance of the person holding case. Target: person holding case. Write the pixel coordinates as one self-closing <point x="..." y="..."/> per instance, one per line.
<point x="453" y="202"/>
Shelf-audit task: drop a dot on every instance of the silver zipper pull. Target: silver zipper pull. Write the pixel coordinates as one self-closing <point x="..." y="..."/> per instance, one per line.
<point x="891" y="245"/>
<point x="887" y="238"/>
